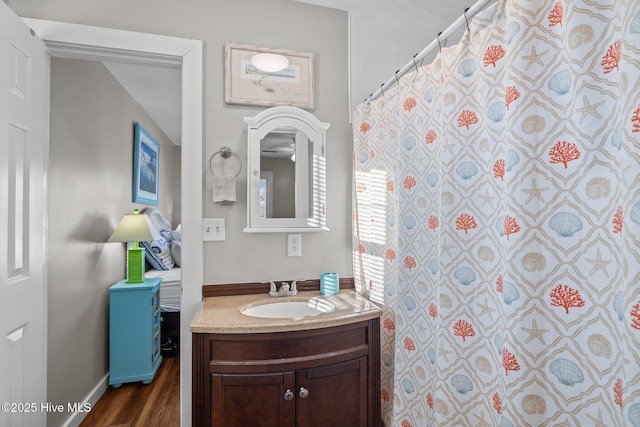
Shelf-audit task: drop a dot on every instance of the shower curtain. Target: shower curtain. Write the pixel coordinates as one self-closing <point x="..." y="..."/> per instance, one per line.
<point x="497" y="220"/>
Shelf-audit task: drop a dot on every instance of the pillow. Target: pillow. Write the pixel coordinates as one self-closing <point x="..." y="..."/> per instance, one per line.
<point x="175" y="242"/>
<point x="176" y="249"/>
<point x="158" y="221"/>
<point x="158" y="253"/>
<point x="176" y="235"/>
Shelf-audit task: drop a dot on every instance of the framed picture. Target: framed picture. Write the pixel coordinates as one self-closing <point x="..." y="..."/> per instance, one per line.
<point x="245" y="84"/>
<point x="145" y="167"/>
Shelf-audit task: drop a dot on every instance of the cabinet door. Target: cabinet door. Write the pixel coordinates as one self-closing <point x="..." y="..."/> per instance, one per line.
<point x="255" y="400"/>
<point x="333" y="395"/>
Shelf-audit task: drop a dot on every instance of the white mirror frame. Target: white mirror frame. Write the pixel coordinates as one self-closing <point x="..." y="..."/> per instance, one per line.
<point x="257" y="128"/>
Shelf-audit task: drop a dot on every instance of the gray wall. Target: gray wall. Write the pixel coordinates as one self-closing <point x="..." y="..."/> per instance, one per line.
<point x="272" y="23"/>
<point x="90" y="182"/>
<point x="381" y="45"/>
<point x="288" y="25"/>
<point x="242" y="257"/>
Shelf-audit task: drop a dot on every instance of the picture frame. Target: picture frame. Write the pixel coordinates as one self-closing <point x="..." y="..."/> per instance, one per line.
<point x="246" y="85"/>
<point x="146" y="157"/>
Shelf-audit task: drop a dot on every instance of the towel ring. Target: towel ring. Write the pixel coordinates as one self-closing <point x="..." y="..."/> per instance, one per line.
<point x="225" y="152"/>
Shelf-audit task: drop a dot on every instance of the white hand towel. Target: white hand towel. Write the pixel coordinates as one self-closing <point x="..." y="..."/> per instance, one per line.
<point x="224" y="189"/>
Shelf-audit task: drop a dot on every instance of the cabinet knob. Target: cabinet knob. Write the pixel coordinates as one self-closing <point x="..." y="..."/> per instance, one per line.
<point x="288" y="395"/>
<point x="303" y="393"/>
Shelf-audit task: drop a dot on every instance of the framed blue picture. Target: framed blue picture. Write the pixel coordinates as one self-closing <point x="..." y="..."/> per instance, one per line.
<point x="146" y="155"/>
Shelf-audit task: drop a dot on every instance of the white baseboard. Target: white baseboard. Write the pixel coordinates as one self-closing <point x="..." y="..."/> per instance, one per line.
<point x="76" y="418"/>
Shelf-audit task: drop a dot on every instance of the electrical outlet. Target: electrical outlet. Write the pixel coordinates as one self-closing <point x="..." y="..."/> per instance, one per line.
<point x="213" y="229"/>
<point x="294" y="245"/>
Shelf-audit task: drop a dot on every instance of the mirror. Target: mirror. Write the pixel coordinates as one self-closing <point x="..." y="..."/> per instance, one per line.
<point x="286" y="182"/>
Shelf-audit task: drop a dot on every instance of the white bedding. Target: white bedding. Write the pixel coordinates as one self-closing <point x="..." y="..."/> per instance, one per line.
<point x="170" y="288"/>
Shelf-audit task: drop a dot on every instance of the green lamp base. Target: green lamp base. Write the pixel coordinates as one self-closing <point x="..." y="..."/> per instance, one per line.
<point x="135" y="265"/>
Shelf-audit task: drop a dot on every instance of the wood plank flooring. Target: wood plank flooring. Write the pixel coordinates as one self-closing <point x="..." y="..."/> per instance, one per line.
<point x="138" y="405"/>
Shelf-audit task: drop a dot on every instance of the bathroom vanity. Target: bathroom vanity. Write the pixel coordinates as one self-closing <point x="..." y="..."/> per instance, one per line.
<point x="316" y="370"/>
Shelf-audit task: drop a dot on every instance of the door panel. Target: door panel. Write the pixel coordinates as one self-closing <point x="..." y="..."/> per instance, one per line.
<point x="23" y="153"/>
<point x="256" y="400"/>
<point x="336" y="395"/>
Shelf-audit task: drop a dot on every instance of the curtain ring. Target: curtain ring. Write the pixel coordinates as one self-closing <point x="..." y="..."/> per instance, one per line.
<point x="466" y="19"/>
<point x="414" y="62"/>
<point x="439" y="44"/>
<point x="382" y="89"/>
<point x="397" y="80"/>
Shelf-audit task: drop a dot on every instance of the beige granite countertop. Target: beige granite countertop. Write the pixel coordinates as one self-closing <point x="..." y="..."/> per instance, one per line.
<point x="222" y="314"/>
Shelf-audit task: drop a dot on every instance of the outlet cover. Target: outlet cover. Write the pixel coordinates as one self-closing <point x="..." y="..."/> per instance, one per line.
<point x="294" y="245"/>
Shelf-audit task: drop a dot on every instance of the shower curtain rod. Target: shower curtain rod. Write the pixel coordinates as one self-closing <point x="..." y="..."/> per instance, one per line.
<point x="462" y="20"/>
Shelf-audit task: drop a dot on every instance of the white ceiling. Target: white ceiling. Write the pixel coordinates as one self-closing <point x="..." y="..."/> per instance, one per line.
<point x="157" y="89"/>
<point x="426" y="11"/>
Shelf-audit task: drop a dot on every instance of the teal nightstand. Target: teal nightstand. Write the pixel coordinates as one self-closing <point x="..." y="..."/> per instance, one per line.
<point x="134" y="331"/>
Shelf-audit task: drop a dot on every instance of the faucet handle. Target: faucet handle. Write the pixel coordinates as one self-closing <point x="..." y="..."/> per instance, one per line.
<point x="273" y="292"/>
<point x="294" y="288"/>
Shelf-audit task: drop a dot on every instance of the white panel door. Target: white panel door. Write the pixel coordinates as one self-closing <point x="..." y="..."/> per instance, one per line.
<point x="24" y="106"/>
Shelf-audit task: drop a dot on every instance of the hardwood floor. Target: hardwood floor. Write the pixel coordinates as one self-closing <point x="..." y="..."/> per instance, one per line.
<point x="138" y="405"/>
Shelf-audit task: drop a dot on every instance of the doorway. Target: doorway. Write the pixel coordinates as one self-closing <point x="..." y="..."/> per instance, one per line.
<point x="102" y="44"/>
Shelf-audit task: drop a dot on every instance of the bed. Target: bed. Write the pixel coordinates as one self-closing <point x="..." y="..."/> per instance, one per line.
<point x="170" y="288"/>
<point x="163" y="260"/>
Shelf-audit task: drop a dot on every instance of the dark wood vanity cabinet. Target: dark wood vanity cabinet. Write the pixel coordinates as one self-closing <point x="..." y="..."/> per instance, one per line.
<point x="314" y="378"/>
<point x="339" y="395"/>
<point x="252" y="400"/>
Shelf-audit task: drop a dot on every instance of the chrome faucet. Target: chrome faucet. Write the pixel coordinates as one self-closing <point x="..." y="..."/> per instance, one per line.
<point x="282" y="292"/>
<point x="285" y="290"/>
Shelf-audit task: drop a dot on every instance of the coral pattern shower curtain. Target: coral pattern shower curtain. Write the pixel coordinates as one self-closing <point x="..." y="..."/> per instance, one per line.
<point x="497" y="218"/>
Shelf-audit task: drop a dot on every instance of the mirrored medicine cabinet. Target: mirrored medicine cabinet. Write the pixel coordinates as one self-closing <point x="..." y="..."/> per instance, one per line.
<point x="287" y="171"/>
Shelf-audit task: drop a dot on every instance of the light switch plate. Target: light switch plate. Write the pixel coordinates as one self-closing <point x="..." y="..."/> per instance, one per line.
<point x="213" y="230"/>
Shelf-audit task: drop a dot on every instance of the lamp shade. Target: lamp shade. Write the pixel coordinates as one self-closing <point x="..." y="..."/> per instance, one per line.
<point x="269" y="62"/>
<point x="132" y="228"/>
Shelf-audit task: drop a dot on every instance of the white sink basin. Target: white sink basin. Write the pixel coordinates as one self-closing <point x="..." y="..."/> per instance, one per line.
<point x="290" y="309"/>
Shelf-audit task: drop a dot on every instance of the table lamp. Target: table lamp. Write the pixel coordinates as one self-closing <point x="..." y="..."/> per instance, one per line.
<point x="133" y="228"/>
